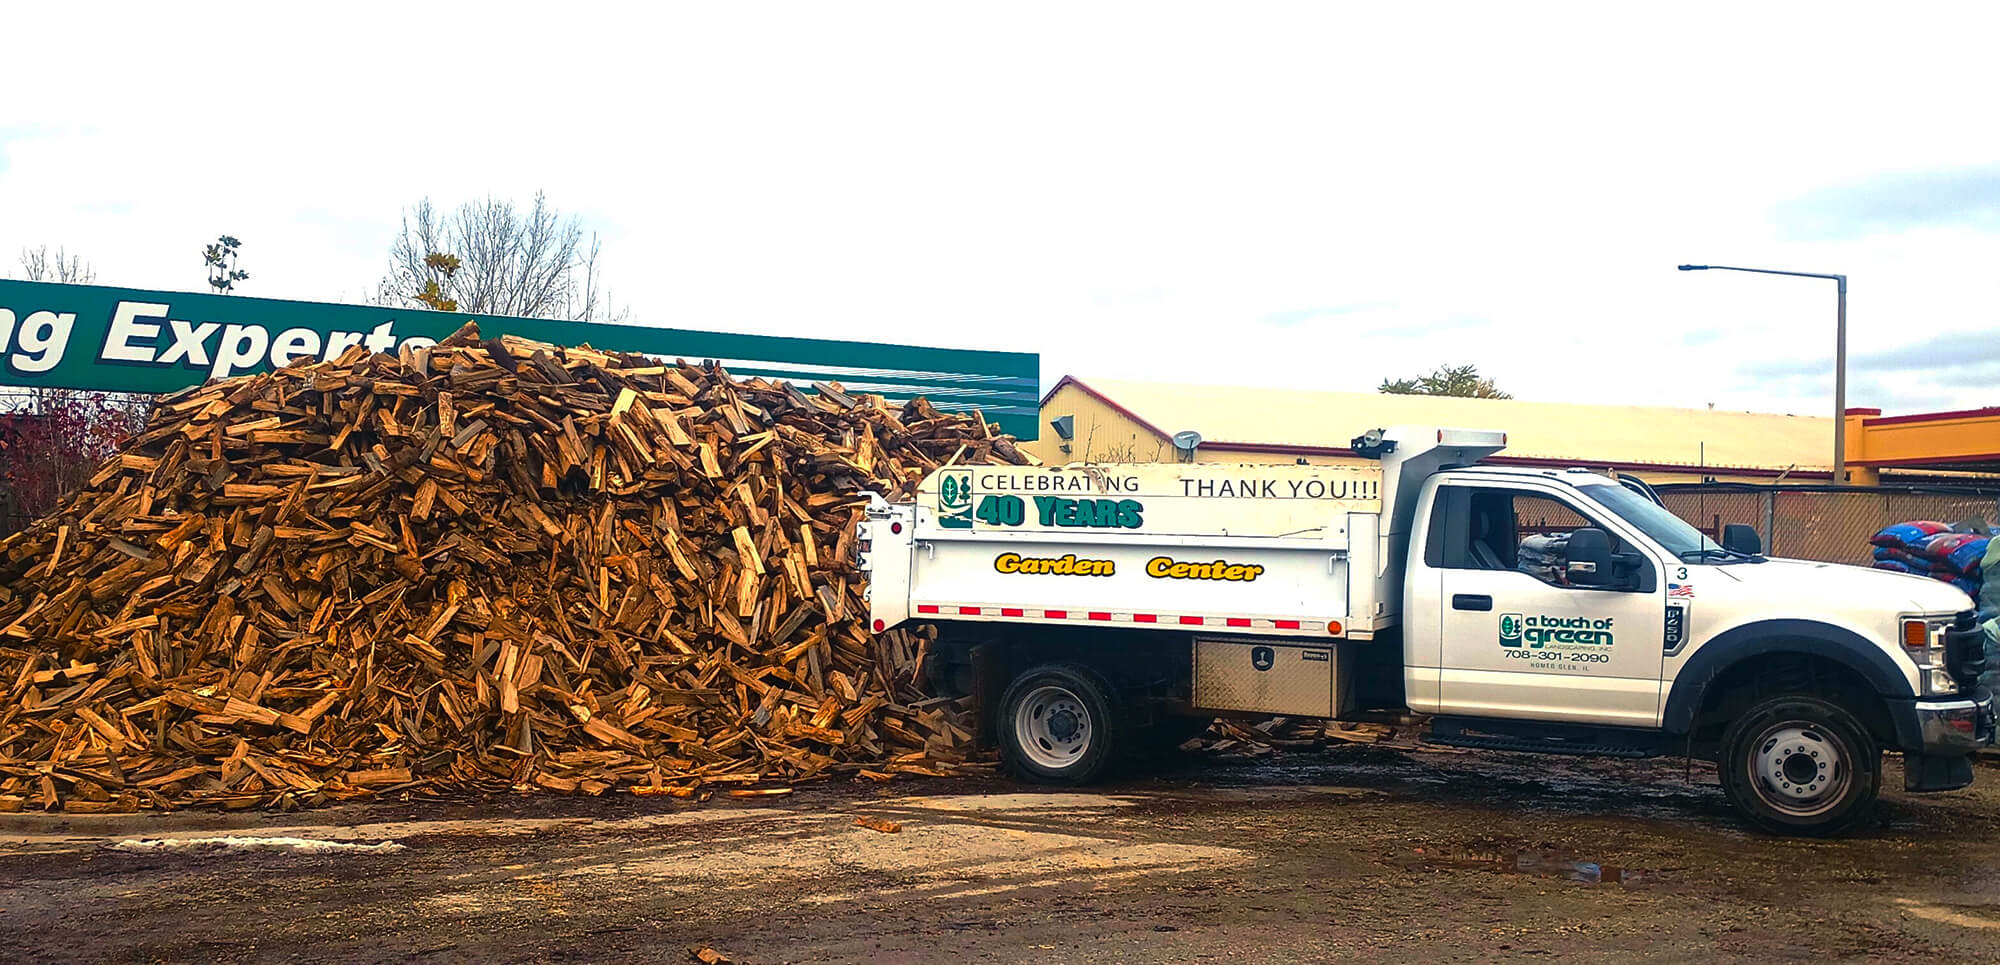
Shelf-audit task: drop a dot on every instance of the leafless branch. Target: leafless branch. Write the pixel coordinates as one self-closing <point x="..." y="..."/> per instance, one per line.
<point x="64" y="268"/>
<point x="509" y="262"/>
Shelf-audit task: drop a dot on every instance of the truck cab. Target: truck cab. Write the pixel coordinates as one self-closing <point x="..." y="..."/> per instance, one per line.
<point x="1563" y="597"/>
<point x="1522" y="609"/>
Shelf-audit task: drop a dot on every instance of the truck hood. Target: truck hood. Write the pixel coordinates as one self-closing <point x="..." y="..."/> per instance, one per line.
<point x="1849" y="585"/>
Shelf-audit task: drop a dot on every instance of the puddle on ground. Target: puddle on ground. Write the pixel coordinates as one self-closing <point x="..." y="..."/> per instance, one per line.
<point x="1535" y="863"/>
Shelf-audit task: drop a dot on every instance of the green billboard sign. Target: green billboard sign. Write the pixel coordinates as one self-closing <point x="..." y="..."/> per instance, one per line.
<point x="125" y="340"/>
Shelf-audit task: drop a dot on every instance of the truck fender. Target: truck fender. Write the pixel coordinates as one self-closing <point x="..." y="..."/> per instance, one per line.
<point x="1737" y="644"/>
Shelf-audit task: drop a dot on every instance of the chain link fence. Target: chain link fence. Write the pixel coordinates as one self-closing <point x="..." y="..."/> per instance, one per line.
<point x="1826" y="523"/>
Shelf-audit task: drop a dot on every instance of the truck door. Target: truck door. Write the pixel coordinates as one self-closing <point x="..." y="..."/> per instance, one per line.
<point x="1523" y="635"/>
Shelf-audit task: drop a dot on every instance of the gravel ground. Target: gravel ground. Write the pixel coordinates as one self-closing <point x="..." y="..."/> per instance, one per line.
<point x="1375" y="853"/>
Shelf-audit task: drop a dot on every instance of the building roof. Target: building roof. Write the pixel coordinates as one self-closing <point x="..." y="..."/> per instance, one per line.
<point x="1619" y="436"/>
<point x="1966" y="440"/>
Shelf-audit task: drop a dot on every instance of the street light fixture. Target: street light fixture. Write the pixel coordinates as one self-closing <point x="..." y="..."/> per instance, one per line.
<point x="1839" y="358"/>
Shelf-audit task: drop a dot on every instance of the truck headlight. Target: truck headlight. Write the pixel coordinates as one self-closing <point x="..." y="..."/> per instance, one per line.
<point x="1923" y="640"/>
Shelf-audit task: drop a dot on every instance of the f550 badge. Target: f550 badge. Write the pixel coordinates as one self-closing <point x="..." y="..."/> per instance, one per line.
<point x="1677" y="624"/>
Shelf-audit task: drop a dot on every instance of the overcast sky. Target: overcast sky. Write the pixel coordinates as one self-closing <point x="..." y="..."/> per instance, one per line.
<point x="1312" y="195"/>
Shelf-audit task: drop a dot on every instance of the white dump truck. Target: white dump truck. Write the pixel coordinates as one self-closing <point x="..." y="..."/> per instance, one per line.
<point x="1106" y="609"/>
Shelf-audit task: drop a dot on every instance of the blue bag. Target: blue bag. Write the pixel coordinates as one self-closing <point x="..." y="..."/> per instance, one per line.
<point x="1966" y="557"/>
<point x="1912" y="563"/>
<point x="1907" y="534"/>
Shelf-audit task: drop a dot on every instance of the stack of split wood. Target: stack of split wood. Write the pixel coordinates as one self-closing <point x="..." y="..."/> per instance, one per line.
<point x="1274" y="735"/>
<point x="479" y="566"/>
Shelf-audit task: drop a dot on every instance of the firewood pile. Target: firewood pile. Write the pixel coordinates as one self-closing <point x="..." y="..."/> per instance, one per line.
<point x="1243" y="738"/>
<point x="482" y="566"/>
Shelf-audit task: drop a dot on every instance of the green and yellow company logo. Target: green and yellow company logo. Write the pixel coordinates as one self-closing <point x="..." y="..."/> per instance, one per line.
<point x="1539" y="632"/>
<point x="955" y="500"/>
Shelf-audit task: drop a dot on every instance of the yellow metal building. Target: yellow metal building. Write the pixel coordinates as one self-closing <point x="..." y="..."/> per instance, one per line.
<point x="1109" y="420"/>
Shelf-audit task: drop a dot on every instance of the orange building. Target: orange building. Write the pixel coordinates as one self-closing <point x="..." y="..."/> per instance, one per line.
<point x="1966" y="441"/>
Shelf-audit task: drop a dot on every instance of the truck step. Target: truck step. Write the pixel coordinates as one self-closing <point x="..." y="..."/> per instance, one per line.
<point x="1542" y="737"/>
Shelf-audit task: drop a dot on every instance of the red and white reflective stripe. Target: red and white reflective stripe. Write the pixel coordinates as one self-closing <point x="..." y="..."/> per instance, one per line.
<point x="1105" y="616"/>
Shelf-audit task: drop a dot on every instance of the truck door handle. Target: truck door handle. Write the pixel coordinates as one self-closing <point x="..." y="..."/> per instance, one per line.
<point x="1471" y="601"/>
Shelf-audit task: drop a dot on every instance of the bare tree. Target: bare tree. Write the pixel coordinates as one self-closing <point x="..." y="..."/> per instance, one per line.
<point x="62" y="267"/>
<point x="489" y="258"/>
<point x="592" y="302"/>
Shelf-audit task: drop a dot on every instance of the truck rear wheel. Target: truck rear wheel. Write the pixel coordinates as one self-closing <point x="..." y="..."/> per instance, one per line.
<point x="1056" y="724"/>
<point x="1799" y="765"/>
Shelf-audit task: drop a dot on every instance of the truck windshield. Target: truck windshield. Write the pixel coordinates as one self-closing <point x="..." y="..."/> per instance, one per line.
<point x="1670" y="531"/>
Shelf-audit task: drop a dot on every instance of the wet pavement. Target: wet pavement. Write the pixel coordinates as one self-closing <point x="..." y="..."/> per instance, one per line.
<point x="1358" y="852"/>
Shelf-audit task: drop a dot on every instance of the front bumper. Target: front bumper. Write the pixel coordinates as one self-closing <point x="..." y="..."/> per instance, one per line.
<point x="1956" y="727"/>
<point x="1950" y="731"/>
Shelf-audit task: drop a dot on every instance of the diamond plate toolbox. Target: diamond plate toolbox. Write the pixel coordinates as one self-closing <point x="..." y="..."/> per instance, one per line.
<point x="1266" y="678"/>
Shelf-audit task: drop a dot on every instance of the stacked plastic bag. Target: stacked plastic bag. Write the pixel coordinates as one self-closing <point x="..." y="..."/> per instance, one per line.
<point x="1967" y="557"/>
<point x="1936" y="550"/>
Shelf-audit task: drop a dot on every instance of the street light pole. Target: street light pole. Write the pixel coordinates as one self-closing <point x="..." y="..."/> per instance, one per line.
<point x="1840" y="385"/>
<point x="1839" y="357"/>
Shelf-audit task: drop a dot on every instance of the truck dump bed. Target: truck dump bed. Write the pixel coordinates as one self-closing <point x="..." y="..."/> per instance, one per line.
<point x="1257" y="550"/>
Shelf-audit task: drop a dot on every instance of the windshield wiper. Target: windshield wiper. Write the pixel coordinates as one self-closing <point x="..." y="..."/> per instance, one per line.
<point x="1720" y="555"/>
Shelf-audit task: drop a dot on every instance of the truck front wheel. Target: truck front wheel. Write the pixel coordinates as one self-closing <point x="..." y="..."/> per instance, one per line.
<point x="1799" y="765"/>
<point x="1056" y="724"/>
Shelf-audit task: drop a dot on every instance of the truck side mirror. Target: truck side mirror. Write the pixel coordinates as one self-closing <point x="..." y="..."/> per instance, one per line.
<point x="1589" y="554"/>
<point x="1739" y="538"/>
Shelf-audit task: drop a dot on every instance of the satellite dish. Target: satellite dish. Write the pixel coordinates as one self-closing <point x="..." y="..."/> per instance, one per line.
<point x="1187" y="440"/>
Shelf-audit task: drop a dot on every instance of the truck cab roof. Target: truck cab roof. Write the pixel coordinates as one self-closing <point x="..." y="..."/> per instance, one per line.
<point x="1574" y="476"/>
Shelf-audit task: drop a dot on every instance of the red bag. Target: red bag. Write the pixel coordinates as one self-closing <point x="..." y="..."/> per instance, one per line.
<point x="1908" y="535"/>
<point x="1938" y="549"/>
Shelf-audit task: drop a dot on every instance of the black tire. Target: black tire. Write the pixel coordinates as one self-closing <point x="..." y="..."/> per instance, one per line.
<point x="1166" y="735"/>
<point x="1798" y="765"/>
<point x="1056" y="724"/>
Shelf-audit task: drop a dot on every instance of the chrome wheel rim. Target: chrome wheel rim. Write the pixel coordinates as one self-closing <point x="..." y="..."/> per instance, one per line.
<point x="1052" y="727"/>
<point x="1798" y="768"/>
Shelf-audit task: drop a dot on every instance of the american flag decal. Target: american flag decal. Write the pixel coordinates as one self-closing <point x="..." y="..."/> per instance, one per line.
<point x="1681" y="590"/>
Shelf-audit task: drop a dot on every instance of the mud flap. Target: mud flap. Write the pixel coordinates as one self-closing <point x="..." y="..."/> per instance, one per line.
<point x="1924" y="772"/>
